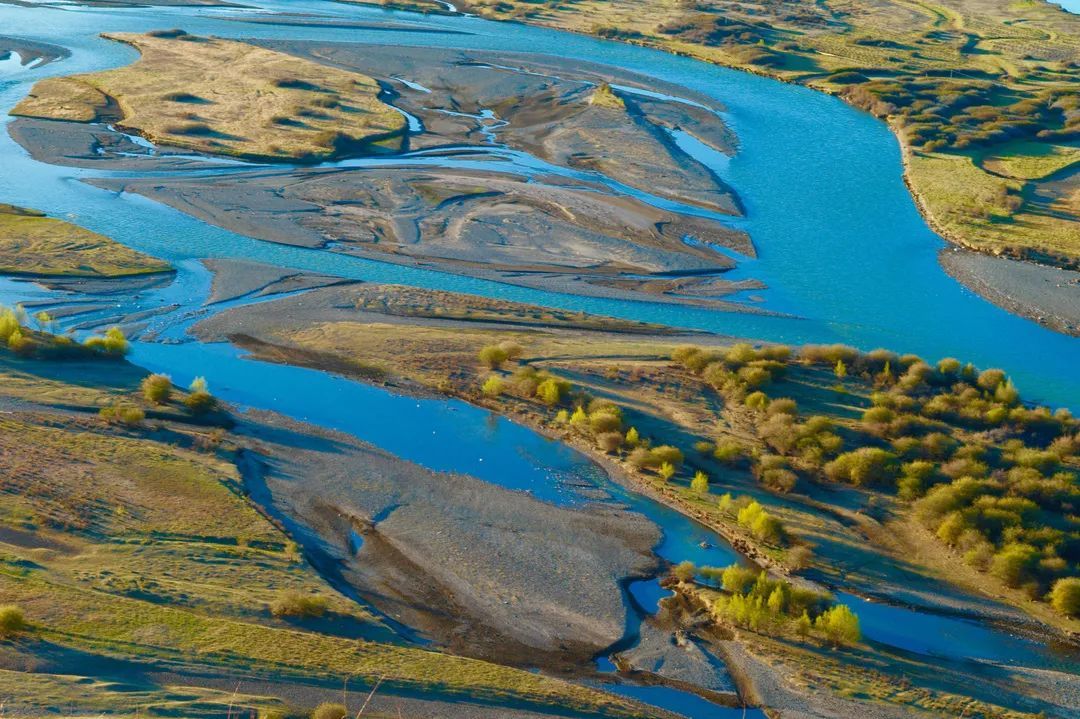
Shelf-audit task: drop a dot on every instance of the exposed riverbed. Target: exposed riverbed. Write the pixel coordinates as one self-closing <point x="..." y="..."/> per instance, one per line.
<point x="840" y="245"/>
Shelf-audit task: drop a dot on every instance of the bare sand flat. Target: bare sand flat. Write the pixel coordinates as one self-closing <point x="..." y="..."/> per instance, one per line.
<point x="1048" y="295"/>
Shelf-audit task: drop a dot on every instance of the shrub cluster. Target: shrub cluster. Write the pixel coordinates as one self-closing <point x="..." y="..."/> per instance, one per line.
<point x="752" y="600"/>
<point x="753" y="517"/>
<point x="299" y="605"/>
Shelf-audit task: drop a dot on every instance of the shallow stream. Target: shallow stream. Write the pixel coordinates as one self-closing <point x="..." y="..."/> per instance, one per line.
<point x="841" y="247"/>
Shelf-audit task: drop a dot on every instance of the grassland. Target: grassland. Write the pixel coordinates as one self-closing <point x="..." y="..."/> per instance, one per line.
<point x="226" y="98"/>
<point x="131" y="548"/>
<point x="620" y="398"/>
<point x="955" y="79"/>
<point x="33" y="244"/>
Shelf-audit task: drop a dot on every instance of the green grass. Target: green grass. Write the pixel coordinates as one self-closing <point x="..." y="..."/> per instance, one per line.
<point x="1026" y="160"/>
<point x="34" y="244"/>
<point x="228" y="98"/>
<point x="135" y="545"/>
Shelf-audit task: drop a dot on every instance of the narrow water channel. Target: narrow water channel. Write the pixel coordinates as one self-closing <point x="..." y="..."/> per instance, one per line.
<point x="840" y="244"/>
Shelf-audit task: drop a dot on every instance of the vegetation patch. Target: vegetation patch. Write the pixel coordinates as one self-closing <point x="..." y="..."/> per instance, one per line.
<point x="34" y="244"/>
<point x="227" y="98"/>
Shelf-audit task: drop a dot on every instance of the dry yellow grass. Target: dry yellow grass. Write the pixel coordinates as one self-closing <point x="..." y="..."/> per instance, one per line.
<point x="33" y="244"/>
<point x="226" y="97"/>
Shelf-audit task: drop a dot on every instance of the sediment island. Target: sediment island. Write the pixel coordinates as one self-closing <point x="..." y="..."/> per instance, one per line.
<point x="359" y="387"/>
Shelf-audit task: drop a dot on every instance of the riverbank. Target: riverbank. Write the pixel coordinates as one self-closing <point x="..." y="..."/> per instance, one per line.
<point x="1047" y="295"/>
<point x="891" y="61"/>
<point x="398" y="339"/>
<point x="144" y="562"/>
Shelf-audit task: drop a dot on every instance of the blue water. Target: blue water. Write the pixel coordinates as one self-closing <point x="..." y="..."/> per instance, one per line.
<point x="840" y="241"/>
<point x="840" y="244"/>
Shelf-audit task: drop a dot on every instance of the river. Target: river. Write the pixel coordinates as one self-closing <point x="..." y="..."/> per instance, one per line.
<point x="840" y="243"/>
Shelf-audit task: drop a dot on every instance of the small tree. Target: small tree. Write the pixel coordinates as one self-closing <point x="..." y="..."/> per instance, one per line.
<point x="840" y="625"/>
<point x="156" y="388"/>
<point x="700" y="482"/>
<point x="840" y="370"/>
<point x="632" y="437"/>
<point x="666" y="471"/>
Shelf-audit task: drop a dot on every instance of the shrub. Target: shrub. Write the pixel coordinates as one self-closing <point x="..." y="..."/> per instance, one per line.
<point x="737" y="579"/>
<point x="780" y="480"/>
<point x="113" y="343"/>
<point x="157" y="388"/>
<point x="729" y="451"/>
<point x="330" y="710"/>
<point x="666" y="471"/>
<point x="990" y="379"/>
<point x="667" y="453"/>
<point x="757" y="400"/>
<point x="684" y="571"/>
<point x="783" y="405"/>
<point x="299" y="605"/>
<point x="839" y="624"/>
<point x="122" y="414"/>
<point x="700" y="483"/>
<point x="605" y="421"/>
<point x="828" y="354"/>
<point x="492" y="356"/>
<point x="865" y="465"/>
<point x="1065" y="596"/>
<point x="798" y="557"/>
<point x="632" y="437"/>
<point x="493" y="386"/>
<point x="1014" y="564"/>
<point x="12" y="621"/>
<point x="550" y="391"/>
<point x="609" y="441"/>
<point x="512" y="349"/>
<point x="200" y="402"/>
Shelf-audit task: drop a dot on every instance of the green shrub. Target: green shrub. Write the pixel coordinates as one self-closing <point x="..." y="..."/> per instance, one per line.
<point x="1014" y="564"/>
<point x="12" y="621"/>
<point x="299" y="605"/>
<point x="700" y="483"/>
<point x="684" y="571"/>
<point x="156" y="388"/>
<point x="737" y="579"/>
<point x="839" y="624"/>
<point x="113" y="343"/>
<point x="865" y="465"/>
<point x="492" y="356"/>
<point x="729" y="451"/>
<point x="127" y="414"/>
<point x="1065" y="596"/>
<point x="493" y="386"/>
<point x="330" y="710"/>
